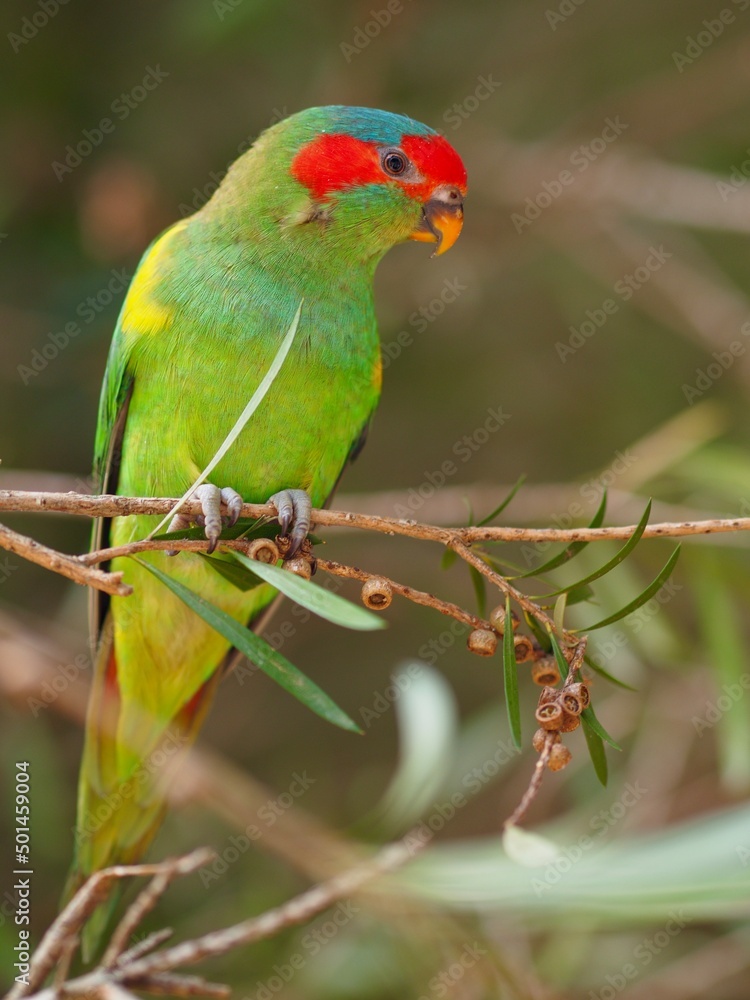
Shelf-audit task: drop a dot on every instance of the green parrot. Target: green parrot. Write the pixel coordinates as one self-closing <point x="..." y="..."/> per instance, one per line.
<point x="304" y="216"/>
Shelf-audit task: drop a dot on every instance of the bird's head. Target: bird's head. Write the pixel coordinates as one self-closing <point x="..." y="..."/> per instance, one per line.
<point x="357" y="181"/>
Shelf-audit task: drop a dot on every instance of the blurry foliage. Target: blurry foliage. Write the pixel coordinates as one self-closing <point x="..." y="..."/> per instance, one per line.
<point x="65" y="244"/>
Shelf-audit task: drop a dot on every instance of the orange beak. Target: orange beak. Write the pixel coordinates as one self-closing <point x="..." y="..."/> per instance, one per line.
<point x="442" y="219"/>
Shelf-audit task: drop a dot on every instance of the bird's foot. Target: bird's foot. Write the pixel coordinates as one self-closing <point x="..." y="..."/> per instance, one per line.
<point x="211" y="520"/>
<point x="295" y="511"/>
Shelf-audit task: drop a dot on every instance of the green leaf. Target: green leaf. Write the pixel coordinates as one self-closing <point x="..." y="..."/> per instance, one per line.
<point x="480" y="591"/>
<point x="559" y="612"/>
<point x="501" y="507"/>
<point x="317" y="599"/>
<point x="510" y="677"/>
<point x="647" y="594"/>
<point x="562" y="663"/>
<point x="595" y="746"/>
<point x="239" y="576"/>
<point x="623" y="553"/>
<point x="540" y="634"/>
<point x="578" y="594"/>
<point x="574" y="548"/>
<point x="588" y="718"/>
<point x="599" y="669"/>
<point x="269" y="660"/>
<point x="449" y="557"/>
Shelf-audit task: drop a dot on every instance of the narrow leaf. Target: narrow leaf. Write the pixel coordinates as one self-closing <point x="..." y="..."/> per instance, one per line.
<point x="599" y="669"/>
<point x="230" y="569"/>
<point x="480" y="591"/>
<point x="647" y="594"/>
<point x="588" y="718"/>
<point x="574" y="548"/>
<point x="252" y="405"/>
<point x="528" y="849"/>
<point x="501" y="507"/>
<point x="317" y="599"/>
<point x="510" y="676"/>
<point x="541" y="635"/>
<point x="449" y="557"/>
<point x="623" y="553"/>
<point x="562" y="663"/>
<point x="258" y="650"/>
<point x="559" y="612"/>
<point x="598" y="756"/>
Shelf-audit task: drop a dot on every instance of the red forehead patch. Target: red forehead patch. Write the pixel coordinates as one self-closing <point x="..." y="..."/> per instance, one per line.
<point x="334" y="162"/>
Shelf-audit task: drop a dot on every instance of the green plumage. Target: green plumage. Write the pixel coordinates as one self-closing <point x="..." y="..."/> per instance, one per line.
<point x="207" y="310"/>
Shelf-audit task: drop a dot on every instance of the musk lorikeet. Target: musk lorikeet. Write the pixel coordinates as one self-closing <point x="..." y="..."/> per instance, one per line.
<point x="305" y="216"/>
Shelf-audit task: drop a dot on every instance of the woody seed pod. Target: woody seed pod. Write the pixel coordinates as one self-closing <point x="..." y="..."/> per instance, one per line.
<point x="264" y="550"/>
<point x="548" y="694"/>
<point x="549" y="715"/>
<point x="569" y="722"/>
<point x="581" y="692"/>
<point x="559" y="757"/>
<point x="497" y="619"/>
<point x="482" y="642"/>
<point x="544" y="671"/>
<point x="524" y="648"/>
<point x="377" y="593"/>
<point x="299" y="566"/>
<point x="571" y="701"/>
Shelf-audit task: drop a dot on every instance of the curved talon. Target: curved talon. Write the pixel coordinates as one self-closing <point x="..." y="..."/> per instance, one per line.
<point x="211" y="520"/>
<point x="295" y="510"/>
<point x="234" y="503"/>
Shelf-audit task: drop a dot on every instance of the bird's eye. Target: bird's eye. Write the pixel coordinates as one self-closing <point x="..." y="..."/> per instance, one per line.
<point x="394" y="163"/>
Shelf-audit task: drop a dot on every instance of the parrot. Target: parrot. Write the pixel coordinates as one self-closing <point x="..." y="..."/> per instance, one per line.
<point x="299" y="222"/>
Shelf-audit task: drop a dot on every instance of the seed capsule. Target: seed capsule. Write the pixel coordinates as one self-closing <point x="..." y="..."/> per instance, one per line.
<point x="571" y="701"/>
<point x="549" y="715"/>
<point x="377" y="593"/>
<point x="265" y="550"/>
<point x="300" y="567"/>
<point x="581" y="692"/>
<point x="482" y="642"/>
<point x="497" y="619"/>
<point x="524" y="648"/>
<point x="548" y="694"/>
<point x="545" y="672"/>
<point x="559" y="757"/>
<point x="569" y="722"/>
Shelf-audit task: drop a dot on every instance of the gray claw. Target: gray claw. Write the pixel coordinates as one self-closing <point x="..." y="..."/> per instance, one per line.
<point x="211" y="519"/>
<point x="294" y="509"/>
<point x="234" y="503"/>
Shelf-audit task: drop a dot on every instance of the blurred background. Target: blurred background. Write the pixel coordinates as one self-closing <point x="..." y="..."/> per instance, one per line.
<point x="598" y="299"/>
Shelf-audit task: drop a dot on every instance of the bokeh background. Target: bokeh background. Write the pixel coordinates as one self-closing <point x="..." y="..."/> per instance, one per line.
<point x="608" y="149"/>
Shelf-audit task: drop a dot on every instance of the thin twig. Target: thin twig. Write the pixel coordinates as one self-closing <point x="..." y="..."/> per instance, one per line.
<point x="116" y="506"/>
<point x="58" y="562"/>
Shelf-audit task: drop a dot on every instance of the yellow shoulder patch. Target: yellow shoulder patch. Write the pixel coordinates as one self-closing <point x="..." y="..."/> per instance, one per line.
<point x="142" y="312"/>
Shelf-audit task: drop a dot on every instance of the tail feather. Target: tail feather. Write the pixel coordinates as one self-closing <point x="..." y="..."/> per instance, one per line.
<point x="120" y="808"/>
